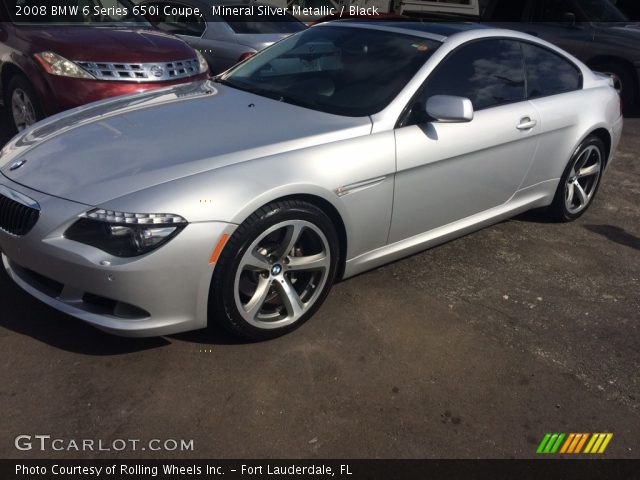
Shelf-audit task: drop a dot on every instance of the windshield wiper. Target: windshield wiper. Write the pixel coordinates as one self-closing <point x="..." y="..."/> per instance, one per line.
<point x="263" y="92"/>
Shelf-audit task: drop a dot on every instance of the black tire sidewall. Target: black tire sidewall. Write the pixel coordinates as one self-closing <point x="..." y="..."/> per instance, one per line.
<point x="222" y="290"/>
<point x="19" y="81"/>
<point x="558" y="207"/>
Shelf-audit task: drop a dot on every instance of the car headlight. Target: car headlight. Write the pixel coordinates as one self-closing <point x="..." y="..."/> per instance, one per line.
<point x="202" y="62"/>
<point x="125" y="234"/>
<point x="58" y="65"/>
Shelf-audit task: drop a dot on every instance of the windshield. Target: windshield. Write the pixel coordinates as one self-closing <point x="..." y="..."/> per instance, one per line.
<point x="341" y="70"/>
<point x="74" y="12"/>
<point x="601" y="11"/>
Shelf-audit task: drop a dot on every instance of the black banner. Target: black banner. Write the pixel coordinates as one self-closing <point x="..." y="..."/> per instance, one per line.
<point x="552" y="469"/>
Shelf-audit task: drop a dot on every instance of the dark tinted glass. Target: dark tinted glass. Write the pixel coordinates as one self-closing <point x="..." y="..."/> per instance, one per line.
<point x="554" y="11"/>
<point x="630" y="8"/>
<point x="489" y="72"/>
<point x="343" y="70"/>
<point x="602" y="11"/>
<point x="548" y="73"/>
<point x="508" y="10"/>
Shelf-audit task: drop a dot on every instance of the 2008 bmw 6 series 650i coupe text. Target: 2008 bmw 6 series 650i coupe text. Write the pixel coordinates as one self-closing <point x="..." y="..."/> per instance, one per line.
<point x="240" y="201"/>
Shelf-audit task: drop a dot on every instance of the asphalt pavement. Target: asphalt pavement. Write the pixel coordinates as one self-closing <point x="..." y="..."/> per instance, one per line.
<point x="474" y="349"/>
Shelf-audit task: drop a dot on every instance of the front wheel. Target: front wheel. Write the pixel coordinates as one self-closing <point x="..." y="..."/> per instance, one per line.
<point x="580" y="181"/>
<point x="275" y="271"/>
<point x="22" y="103"/>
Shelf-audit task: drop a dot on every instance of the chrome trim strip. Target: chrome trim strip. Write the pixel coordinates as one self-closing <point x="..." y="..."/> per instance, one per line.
<point x="359" y="186"/>
<point x="19" y="197"/>
<point x="142" y="72"/>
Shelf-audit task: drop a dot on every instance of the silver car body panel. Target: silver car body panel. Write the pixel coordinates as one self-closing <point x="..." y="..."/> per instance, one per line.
<point x="214" y="155"/>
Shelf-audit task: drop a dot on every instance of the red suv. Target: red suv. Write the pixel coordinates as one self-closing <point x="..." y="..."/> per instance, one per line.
<point x="50" y="63"/>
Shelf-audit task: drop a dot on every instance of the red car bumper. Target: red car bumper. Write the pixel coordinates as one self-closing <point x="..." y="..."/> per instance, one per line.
<point x="65" y="93"/>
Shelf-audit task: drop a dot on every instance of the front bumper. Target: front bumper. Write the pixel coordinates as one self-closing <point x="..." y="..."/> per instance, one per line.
<point x="163" y="292"/>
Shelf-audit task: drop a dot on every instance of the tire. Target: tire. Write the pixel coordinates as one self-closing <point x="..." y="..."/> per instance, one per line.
<point x="580" y="181"/>
<point x="275" y="271"/>
<point x="625" y="82"/>
<point x="23" y="107"/>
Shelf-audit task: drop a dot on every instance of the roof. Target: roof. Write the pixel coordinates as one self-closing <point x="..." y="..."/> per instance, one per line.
<point x="434" y="30"/>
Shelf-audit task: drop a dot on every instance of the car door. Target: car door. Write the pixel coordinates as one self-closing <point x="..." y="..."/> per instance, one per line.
<point x="554" y="88"/>
<point x="450" y="171"/>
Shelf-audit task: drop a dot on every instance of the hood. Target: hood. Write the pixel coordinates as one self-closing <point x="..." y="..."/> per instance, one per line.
<point x="623" y="38"/>
<point x="108" y="44"/>
<point x="113" y="148"/>
<point x="629" y="30"/>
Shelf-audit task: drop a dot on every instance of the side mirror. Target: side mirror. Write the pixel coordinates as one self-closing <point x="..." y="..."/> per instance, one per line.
<point x="449" y="109"/>
<point x="569" y="18"/>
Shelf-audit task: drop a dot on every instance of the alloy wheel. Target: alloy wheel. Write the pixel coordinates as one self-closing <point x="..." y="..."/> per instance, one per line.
<point x="22" y="109"/>
<point x="582" y="181"/>
<point x="282" y="274"/>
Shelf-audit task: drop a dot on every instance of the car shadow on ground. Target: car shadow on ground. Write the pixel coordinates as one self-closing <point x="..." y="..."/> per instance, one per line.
<point x="616" y="234"/>
<point x="28" y="316"/>
<point x="539" y="215"/>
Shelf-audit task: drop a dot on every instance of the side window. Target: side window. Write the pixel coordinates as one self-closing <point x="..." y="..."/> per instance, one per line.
<point x="549" y="73"/>
<point x="488" y="72"/>
<point x="554" y="11"/>
<point x="508" y="11"/>
<point x="178" y="24"/>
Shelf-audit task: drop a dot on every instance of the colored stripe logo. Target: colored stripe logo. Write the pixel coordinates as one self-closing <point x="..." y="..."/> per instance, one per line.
<point x="574" y="443"/>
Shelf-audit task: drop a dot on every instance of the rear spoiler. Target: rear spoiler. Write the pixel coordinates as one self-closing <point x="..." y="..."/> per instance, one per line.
<point x="606" y="76"/>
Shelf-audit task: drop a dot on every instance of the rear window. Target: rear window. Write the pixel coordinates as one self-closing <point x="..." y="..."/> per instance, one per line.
<point x="549" y="73"/>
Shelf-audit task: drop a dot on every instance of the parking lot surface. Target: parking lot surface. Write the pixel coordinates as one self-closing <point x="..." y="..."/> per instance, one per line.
<point x="473" y="349"/>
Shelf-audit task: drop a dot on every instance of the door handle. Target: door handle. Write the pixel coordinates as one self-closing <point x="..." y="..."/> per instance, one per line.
<point x="526" y="124"/>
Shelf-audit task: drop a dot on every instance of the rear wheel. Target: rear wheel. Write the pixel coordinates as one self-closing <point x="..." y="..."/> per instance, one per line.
<point x="275" y="271"/>
<point x="580" y="181"/>
<point x="22" y="104"/>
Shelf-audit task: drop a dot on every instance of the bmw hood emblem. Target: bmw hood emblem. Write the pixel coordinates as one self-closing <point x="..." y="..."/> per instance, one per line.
<point x="17" y="164"/>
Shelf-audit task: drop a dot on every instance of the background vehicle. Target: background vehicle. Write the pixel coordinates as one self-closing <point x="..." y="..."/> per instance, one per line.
<point x="595" y="31"/>
<point x="222" y="39"/>
<point x="630" y="8"/>
<point x="46" y="68"/>
<point x="368" y="142"/>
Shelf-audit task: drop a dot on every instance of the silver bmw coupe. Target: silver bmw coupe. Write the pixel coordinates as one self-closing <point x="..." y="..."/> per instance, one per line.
<point x="240" y="201"/>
